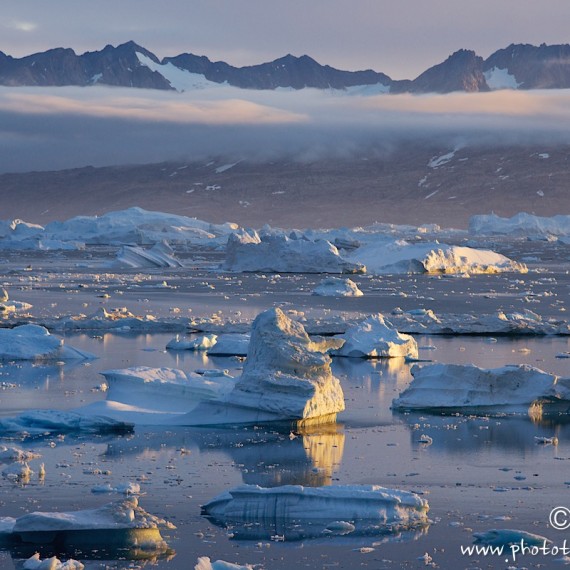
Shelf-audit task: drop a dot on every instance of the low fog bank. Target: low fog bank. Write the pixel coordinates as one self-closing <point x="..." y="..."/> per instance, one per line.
<point x="69" y="127"/>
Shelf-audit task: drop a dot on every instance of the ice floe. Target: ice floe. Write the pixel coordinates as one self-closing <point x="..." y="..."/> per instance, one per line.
<point x="464" y="387"/>
<point x="34" y="342"/>
<point x="204" y="563"/>
<point x="274" y="251"/>
<point x="235" y="344"/>
<point x="12" y="454"/>
<point x="507" y="536"/>
<point x="522" y="224"/>
<point x="123" y="523"/>
<point x="41" y="422"/>
<point x="202" y="342"/>
<point x="294" y="511"/>
<point x="335" y="287"/>
<point x="376" y="338"/>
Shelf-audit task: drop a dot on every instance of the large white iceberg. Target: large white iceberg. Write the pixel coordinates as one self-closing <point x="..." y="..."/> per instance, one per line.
<point x="277" y="252"/>
<point x="522" y="224"/>
<point x="138" y="226"/>
<point x="278" y="510"/>
<point x="376" y="338"/>
<point x="455" y="386"/>
<point x="33" y="342"/>
<point x="286" y="373"/>
<point x="286" y="377"/>
<point x="384" y="255"/>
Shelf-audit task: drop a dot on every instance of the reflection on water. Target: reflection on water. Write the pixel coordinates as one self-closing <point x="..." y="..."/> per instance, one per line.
<point x="466" y="435"/>
<point x="292" y="531"/>
<point x="265" y="456"/>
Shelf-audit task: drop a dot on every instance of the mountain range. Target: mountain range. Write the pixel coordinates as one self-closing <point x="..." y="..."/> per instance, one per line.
<point x="518" y="66"/>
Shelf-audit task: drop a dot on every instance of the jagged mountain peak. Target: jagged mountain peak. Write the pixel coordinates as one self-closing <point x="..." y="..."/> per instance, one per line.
<point x="518" y="66"/>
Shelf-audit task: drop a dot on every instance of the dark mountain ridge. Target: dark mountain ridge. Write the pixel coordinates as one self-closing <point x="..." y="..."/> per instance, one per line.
<point x="520" y="66"/>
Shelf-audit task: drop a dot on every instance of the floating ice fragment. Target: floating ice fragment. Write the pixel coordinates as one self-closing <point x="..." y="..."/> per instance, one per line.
<point x="375" y="337"/>
<point x="335" y="287"/>
<point x="505" y="537"/>
<point x="53" y="563"/>
<point x="33" y="342"/>
<point x="204" y="563"/>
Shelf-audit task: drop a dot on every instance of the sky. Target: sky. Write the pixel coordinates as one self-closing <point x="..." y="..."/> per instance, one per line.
<point x="401" y="38"/>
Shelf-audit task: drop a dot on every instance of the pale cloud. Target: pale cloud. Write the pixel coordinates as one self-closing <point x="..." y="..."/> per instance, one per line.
<point x="21" y="25"/>
<point x="168" y="108"/>
<point x="65" y="127"/>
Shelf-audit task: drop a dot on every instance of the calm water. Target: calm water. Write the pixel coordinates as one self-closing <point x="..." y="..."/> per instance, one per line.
<point x="479" y="473"/>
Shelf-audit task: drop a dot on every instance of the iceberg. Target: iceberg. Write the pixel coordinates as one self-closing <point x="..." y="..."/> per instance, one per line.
<point x="294" y="511"/>
<point x="520" y="225"/>
<point x="233" y="344"/>
<point x="376" y="338"/>
<point x="335" y="287"/>
<point x="34" y="342"/>
<point x="279" y="253"/>
<point x="386" y="256"/>
<point x="140" y="227"/>
<point x="119" y="524"/>
<point x="286" y="377"/>
<point x="286" y="373"/>
<point x="159" y="255"/>
<point x="455" y="386"/>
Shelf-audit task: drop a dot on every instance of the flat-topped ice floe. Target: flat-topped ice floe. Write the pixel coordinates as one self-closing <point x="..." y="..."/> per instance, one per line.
<point x="387" y="256"/>
<point x="204" y="563"/>
<point x="41" y="422"/>
<point x="277" y="252"/>
<point x="335" y="287"/>
<point x="295" y="511"/>
<point x="33" y="342"/>
<point x="119" y="524"/>
<point x="520" y="225"/>
<point x="376" y="338"/>
<point x="464" y="387"/>
<point x="286" y="377"/>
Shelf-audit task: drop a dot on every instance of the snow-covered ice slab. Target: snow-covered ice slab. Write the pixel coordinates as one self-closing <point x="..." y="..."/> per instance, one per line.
<point x="123" y="523"/>
<point x="376" y="338"/>
<point x="33" y="342"/>
<point x="277" y="252"/>
<point x="522" y="224"/>
<point x="40" y="422"/>
<point x="387" y="256"/>
<point x="294" y="511"/>
<point x="336" y="287"/>
<point x="287" y="377"/>
<point x="465" y="387"/>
